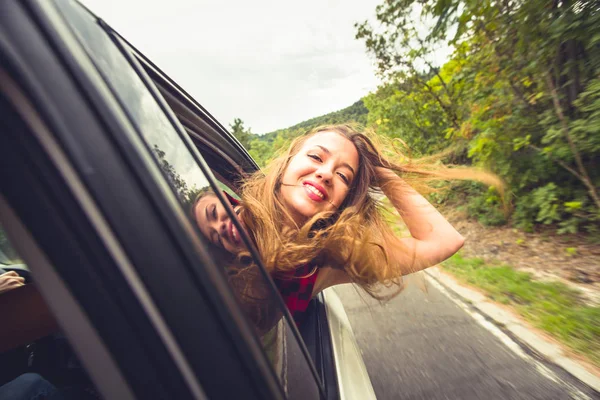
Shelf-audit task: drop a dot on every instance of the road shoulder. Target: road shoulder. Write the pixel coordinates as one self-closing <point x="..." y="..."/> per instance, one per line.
<point x="536" y="342"/>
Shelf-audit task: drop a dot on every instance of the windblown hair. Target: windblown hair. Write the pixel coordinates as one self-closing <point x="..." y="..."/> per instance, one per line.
<point x="355" y="237"/>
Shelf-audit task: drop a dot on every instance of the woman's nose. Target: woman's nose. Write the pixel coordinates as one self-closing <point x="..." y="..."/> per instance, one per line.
<point x="220" y="223"/>
<point x="325" y="174"/>
<point x="222" y="228"/>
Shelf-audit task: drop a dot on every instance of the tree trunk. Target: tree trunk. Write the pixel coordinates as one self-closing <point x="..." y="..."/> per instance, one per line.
<point x="582" y="174"/>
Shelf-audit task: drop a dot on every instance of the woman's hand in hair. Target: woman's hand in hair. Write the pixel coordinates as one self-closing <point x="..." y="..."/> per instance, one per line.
<point x="386" y="177"/>
<point x="433" y="239"/>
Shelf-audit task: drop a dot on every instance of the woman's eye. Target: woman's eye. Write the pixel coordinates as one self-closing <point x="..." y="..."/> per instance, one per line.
<point x="315" y="157"/>
<point x="344" y="178"/>
<point x="214" y="212"/>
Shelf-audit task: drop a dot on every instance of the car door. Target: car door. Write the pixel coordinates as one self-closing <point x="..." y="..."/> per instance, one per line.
<point x="97" y="175"/>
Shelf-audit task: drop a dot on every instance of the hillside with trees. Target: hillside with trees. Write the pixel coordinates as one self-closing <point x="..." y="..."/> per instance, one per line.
<point x="357" y="112"/>
<point x="263" y="147"/>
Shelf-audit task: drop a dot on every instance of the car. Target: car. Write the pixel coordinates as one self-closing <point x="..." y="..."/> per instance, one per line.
<point x="102" y="157"/>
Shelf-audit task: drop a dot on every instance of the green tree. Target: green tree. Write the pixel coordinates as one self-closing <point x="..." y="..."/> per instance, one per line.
<point x="261" y="152"/>
<point x="521" y="90"/>
<point x="244" y="136"/>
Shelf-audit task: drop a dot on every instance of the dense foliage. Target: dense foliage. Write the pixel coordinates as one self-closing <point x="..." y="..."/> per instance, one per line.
<point x="520" y="96"/>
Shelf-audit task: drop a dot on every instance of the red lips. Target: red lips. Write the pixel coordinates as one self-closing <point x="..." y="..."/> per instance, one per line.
<point x="311" y="194"/>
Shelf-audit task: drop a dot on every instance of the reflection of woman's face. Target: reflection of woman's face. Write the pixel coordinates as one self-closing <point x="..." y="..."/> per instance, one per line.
<point x="318" y="178"/>
<point x="215" y="224"/>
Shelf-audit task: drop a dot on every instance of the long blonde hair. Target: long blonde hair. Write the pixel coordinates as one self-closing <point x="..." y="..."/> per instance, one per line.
<point x="355" y="236"/>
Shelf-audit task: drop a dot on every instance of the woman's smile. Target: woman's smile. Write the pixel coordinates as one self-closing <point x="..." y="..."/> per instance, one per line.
<point x="234" y="235"/>
<point x="315" y="191"/>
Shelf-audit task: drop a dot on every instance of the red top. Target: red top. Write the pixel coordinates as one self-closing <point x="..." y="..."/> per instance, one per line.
<point x="296" y="288"/>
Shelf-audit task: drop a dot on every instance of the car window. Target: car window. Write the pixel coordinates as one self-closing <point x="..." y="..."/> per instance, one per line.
<point x="256" y="297"/>
<point x="10" y="260"/>
<point x="8" y="254"/>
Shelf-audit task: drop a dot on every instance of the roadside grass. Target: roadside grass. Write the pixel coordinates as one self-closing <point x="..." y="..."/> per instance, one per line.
<point x="551" y="306"/>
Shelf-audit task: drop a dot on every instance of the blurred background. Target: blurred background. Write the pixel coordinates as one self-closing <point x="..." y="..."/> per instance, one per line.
<point x="509" y="86"/>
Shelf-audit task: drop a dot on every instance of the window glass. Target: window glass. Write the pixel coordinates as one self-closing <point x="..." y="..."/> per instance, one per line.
<point x="198" y="197"/>
<point x="8" y="255"/>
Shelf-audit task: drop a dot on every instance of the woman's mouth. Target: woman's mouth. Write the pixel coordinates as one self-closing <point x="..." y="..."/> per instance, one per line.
<point x="234" y="235"/>
<point x="314" y="192"/>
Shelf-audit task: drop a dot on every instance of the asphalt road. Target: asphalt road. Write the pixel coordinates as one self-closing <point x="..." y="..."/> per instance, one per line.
<point x="422" y="345"/>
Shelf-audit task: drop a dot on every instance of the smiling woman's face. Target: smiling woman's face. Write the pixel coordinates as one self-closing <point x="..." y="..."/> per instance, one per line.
<point x="215" y="224"/>
<point x="318" y="178"/>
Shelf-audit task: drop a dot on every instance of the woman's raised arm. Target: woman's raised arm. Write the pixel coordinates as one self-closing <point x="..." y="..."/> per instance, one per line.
<point x="433" y="239"/>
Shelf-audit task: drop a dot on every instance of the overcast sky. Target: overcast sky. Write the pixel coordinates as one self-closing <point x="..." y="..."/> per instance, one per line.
<point x="271" y="63"/>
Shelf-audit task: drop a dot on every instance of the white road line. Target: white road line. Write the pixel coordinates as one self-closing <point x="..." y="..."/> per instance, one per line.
<point x="508" y="342"/>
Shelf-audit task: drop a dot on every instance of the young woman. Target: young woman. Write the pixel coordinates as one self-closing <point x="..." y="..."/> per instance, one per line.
<point x="315" y="217"/>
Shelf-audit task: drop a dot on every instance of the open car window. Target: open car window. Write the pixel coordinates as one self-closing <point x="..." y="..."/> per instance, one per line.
<point x="8" y="254"/>
<point x="186" y="175"/>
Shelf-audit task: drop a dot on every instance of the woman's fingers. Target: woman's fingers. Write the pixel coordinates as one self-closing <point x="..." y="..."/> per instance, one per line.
<point x="10" y="280"/>
<point x="12" y="276"/>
